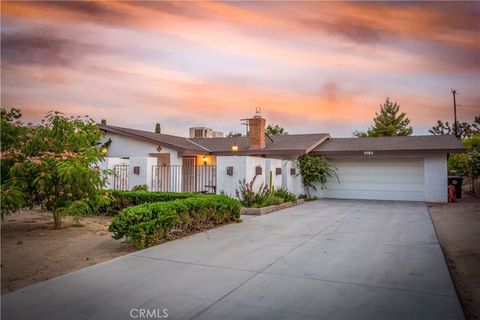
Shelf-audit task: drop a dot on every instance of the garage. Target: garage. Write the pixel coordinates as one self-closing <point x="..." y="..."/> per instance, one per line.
<point x="378" y="179"/>
<point x="412" y="168"/>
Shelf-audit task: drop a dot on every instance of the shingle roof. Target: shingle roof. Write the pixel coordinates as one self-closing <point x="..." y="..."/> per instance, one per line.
<point x="294" y="143"/>
<point x="441" y="143"/>
<point x="174" y="142"/>
<point x="317" y="143"/>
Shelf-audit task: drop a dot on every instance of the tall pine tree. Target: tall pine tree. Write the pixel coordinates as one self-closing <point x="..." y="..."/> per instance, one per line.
<point x="388" y="122"/>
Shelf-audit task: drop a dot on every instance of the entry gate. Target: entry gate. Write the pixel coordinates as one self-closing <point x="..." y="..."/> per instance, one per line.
<point x="120" y="177"/>
<point x="186" y="178"/>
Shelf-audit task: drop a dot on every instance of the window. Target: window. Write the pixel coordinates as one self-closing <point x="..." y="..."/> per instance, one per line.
<point x="198" y="133"/>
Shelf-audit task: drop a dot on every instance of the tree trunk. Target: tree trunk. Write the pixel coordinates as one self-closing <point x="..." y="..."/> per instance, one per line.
<point x="57" y="219"/>
<point x="307" y="192"/>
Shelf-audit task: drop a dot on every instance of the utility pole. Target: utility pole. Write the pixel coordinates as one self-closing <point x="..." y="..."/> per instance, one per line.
<point x="455" y="130"/>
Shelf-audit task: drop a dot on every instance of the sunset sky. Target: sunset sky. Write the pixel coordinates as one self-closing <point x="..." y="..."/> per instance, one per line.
<point x="311" y="67"/>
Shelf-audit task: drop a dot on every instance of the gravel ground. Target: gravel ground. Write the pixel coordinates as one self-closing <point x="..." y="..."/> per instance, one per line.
<point x="458" y="230"/>
<point x="32" y="251"/>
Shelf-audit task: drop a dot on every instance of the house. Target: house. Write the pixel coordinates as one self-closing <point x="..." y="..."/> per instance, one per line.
<point x="204" y="132"/>
<point x="410" y="168"/>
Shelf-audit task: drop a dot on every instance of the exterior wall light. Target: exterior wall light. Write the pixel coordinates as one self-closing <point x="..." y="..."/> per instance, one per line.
<point x="204" y="160"/>
<point x="234" y="147"/>
<point x="136" y="170"/>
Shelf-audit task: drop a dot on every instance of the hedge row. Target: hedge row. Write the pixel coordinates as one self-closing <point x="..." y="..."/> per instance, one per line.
<point x="125" y="199"/>
<point x="145" y="225"/>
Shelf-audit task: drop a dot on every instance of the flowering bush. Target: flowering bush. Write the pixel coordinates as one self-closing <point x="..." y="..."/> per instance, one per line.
<point x="52" y="164"/>
<point x="247" y="196"/>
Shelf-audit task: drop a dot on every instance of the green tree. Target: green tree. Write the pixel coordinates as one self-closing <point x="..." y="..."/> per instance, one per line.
<point x="315" y="170"/>
<point x="464" y="129"/>
<point x="232" y="134"/>
<point x="275" y="130"/>
<point x="158" y="128"/>
<point x="54" y="165"/>
<point x="467" y="163"/>
<point x="13" y="136"/>
<point x="388" y="122"/>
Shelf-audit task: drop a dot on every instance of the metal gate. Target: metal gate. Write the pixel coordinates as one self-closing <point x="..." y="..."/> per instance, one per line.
<point x="186" y="178"/>
<point x="166" y="178"/>
<point x="120" y="177"/>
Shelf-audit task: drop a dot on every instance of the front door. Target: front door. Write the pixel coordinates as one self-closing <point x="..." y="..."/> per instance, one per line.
<point x="188" y="174"/>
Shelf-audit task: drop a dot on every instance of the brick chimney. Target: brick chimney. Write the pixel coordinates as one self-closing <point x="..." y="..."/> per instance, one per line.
<point x="256" y="131"/>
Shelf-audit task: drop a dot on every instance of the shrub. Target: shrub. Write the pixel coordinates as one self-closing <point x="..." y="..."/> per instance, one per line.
<point x="147" y="224"/>
<point x="124" y="199"/>
<point x="140" y="187"/>
<point x="315" y="170"/>
<point x="247" y="196"/>
<point x="285" y="195"/>
<point x="264" y="197"/>
<point x="271" y="200"/>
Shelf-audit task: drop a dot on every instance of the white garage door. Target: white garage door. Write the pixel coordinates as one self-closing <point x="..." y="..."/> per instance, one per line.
<point x="379" y="179"/>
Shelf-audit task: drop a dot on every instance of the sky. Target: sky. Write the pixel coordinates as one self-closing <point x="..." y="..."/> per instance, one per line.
<point x="309" y="66"/>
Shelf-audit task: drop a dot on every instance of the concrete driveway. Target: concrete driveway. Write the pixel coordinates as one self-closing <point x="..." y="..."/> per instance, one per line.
<point x="328" y="259"/>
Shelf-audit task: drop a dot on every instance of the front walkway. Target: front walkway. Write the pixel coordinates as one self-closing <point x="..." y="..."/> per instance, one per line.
<point x="329" y="259"/>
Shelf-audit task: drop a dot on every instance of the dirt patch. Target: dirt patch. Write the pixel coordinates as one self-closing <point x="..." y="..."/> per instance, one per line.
<point x="32" y="251"/>
<point x="458" y="230"/>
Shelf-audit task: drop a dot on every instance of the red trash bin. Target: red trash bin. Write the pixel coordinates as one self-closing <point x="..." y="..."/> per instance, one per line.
<point x="452" y="194"/>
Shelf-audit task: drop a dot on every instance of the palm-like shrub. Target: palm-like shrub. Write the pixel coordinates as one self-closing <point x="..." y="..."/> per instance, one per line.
<point x="284" y="194"/>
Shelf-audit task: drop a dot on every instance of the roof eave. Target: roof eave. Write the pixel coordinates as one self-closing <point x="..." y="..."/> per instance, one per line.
<point x="258" y="152"/>
<point x="147" y="139"/>
<point x="388" y="152"/>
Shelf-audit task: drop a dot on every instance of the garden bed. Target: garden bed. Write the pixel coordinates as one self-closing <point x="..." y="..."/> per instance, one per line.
<point x="269" y="209"/>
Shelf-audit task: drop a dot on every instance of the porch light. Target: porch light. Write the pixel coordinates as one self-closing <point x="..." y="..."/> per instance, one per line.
<point x="234" y="147"/>
<point x="204" y="160"/>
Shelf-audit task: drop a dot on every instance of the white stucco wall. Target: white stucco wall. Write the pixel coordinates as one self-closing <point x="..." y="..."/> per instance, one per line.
<point x="122" y="146"/>
<point x="243" y="168"/>
<point x="226" y="183"/>
<point x="252" y="163"/>
<point x="270" y="166"/>
<point x="292" y="183"/>
<point x="145" y="175"/>
<point x="436" y="178"/>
